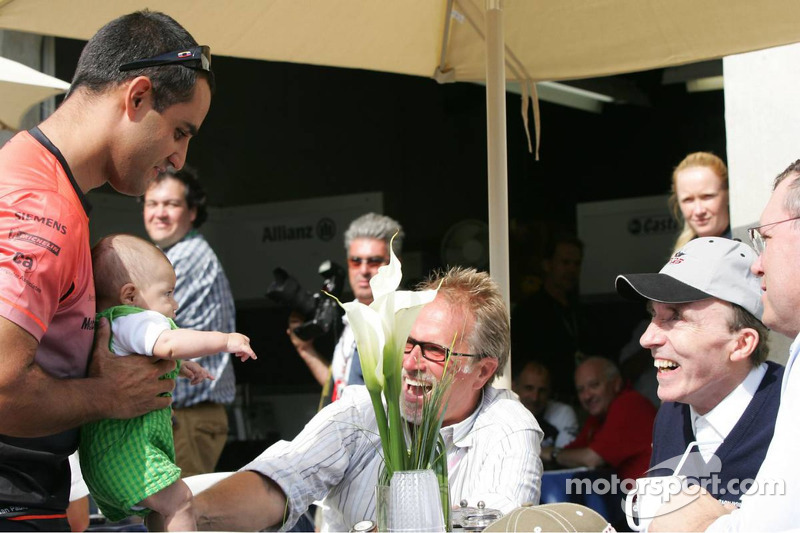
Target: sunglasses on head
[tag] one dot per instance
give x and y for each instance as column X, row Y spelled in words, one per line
column 196, row 57
column 375, row 261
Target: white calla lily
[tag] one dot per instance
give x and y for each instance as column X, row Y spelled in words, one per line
column 381, row 329
column 407, row 306
column 368, row 329
column 388, row 277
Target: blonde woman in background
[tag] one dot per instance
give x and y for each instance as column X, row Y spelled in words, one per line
column 700, row 197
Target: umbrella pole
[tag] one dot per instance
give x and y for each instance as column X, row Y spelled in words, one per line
column 496, row 150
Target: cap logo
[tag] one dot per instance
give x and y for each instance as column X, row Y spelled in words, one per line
column 676, row 259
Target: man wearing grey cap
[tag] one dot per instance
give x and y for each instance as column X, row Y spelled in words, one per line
column 709, row 346
column 777, row 241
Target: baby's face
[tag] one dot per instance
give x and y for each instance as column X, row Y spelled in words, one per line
column 158, row 295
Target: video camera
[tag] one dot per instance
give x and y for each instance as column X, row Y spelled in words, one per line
column 321, row 312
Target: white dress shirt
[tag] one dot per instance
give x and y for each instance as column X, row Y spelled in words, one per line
column 342, row 358
column 774, row 506
column 711, row 429
column 562, row 417
column 337, row 457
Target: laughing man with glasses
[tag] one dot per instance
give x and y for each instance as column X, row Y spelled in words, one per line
column 491, row 440
column 366, row 242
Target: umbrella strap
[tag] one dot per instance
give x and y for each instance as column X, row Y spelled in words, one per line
column 517, row 68
column 529, row 92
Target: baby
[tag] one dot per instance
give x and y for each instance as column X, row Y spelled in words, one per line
column 129, row 465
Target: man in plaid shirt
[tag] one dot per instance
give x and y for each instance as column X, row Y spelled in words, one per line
column 174, row 209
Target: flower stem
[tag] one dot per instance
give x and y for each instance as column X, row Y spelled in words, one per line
column 440, row 469
column 399, row 450
column 383, row 427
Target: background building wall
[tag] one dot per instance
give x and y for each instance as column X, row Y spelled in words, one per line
column 762, row 118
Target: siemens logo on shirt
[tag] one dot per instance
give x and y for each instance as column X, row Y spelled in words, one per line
column 49, row 222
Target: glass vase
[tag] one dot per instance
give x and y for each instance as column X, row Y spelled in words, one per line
column 410, row 503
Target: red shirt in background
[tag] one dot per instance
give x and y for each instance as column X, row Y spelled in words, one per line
column 624, row 437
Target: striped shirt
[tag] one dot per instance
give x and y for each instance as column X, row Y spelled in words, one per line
column 336, row 457
column 206, row 303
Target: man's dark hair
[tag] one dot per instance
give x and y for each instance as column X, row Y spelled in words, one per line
column 195, row 194
column 561, row 238
column 139, row 35
column 535, row 366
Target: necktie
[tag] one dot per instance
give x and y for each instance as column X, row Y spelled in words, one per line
column 356, row 376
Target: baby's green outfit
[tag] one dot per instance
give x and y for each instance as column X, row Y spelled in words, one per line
column 125, row 461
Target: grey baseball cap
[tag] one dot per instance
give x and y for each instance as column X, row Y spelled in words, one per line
column 552, row 517
column 707, row 267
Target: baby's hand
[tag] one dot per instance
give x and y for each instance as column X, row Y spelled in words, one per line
column 239, row 345
column 195, row 372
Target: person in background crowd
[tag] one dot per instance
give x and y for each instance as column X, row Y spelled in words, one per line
column 366, row 242
column 549, row 325
column 557, row 419
column 141, row 91
column 174, row 210
column 619, row 427
column 700, row 197
column 709, row 345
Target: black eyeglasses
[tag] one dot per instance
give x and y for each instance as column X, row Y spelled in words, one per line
column 196, row 57
column 433, row 352
column 375, row 261
column 757, row 238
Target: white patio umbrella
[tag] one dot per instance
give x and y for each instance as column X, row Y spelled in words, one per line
column 20, row 88
column 454, row 40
